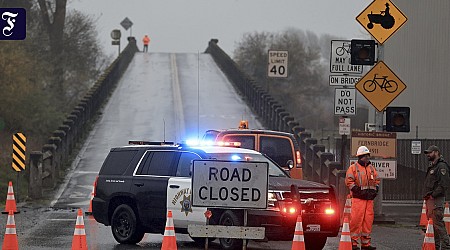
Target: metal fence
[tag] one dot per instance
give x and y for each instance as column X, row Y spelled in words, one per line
column 411, row 168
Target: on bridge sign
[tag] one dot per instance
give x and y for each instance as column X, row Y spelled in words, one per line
column 278, row 63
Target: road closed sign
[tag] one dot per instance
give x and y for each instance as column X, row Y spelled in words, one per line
column 229, row 184
column 345, row 102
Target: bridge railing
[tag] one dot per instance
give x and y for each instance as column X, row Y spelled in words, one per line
column 46, row 165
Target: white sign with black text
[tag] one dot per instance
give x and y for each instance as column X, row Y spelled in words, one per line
column 386, row 169
column 416, row 147
column 345, row 102
column 344, row 126
column 343, row 80
column 230, row 184
column 340, row 58
column 278, row 63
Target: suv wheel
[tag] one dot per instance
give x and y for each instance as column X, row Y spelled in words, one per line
column 229, row 218
column 125, row 227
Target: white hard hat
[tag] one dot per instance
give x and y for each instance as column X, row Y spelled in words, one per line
column 363, row 150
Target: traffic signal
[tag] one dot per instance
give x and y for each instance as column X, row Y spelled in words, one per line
column 362, row 52
column 397, row 119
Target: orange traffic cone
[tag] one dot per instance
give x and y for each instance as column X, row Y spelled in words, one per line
column 348, row 207
column 169, row 240
column 10, row 240
column 10, row 201
column 346, row 241
column 428, row 241
column 423, row 216
column 298, row 243
column 89, row 212
column 447, row 218
column 79, row 235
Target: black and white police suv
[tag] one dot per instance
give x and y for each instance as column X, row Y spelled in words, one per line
column 139, row 183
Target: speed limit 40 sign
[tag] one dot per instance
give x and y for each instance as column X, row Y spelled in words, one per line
column 278, row 63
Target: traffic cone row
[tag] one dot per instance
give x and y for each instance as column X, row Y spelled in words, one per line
column 346, row 241
column 10, row 200
column 428, row 241
column 423, row 216
column 447, row 217
column 10, row 240
column 298, row 243
column 348, row 206
column 169, row 240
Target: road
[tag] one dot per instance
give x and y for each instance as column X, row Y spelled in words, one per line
column 169, row 97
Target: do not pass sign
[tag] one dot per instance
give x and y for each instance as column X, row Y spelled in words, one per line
column 345, row 102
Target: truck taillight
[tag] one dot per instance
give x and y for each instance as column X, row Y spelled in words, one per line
column 329, row 211
column 288, row 208
column 299, row 158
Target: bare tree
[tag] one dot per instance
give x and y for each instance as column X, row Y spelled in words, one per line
column 53, row 14
column 305, row 92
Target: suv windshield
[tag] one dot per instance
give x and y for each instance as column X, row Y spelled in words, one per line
column 274, row 170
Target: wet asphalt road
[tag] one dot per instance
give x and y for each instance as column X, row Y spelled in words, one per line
column 44, row 228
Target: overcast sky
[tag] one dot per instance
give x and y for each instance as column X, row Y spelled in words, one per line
column 188, row 25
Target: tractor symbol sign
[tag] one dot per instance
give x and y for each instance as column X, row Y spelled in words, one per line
column 385, row 19
column 381, row 19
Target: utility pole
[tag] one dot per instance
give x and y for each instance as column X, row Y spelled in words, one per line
column 378, row 204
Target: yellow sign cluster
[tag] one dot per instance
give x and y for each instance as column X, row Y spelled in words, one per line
column 380, row 86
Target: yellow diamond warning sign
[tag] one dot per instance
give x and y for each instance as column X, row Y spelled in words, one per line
column 381, row 19
column 380, row 86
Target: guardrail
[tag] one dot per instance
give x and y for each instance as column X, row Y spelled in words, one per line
column 318, row 165
column 46, row 165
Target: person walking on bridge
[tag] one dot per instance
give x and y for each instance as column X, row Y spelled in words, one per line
column 436, row 182
column 146, row 41
column 362, row 180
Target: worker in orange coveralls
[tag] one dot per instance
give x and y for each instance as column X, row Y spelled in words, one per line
column 362, row 180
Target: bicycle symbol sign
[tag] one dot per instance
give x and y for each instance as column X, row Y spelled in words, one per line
column 380, row 86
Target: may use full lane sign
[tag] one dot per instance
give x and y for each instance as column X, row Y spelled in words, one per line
column 230, row 184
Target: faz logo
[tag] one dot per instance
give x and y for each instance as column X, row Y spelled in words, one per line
column 13, row 24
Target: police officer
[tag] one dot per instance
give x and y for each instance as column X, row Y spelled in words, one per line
column 362, row 180
column 436, row 182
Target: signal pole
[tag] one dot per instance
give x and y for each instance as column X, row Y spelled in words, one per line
column 378, row 204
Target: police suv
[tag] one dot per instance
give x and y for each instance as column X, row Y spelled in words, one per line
column 139, row 183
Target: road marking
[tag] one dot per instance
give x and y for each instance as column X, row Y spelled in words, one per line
column 86, row 172
column 177, row 98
